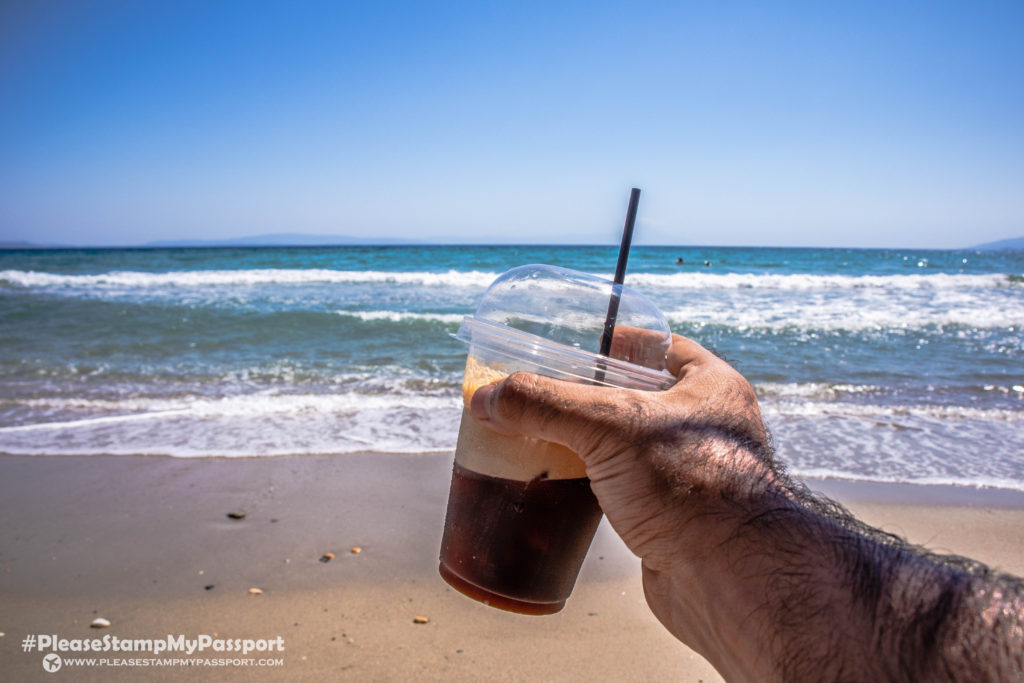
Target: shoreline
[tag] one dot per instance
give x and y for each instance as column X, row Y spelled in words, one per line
column 919, row 494
column 138, row 539
column 838, row 488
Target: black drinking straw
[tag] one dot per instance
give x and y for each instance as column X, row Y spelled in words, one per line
column 620, row 276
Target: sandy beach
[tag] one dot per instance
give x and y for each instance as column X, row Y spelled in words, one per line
column 146, row 542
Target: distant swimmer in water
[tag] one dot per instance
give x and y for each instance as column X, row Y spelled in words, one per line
column 707, row 263
column 679, row 261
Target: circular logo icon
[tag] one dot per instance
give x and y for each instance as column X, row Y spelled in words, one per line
column 52, row 663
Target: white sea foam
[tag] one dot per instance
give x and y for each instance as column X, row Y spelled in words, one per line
column 743, row 301
column 135, row 409
column 815, row 436
column 794, row 399
column 476, row 278
column 266, row 276
column 821, row 390
column 974, row 481
column 852, row 313
column 922, row 445
column 272, row 424
column 790, row 408
column 252, row 425
column 812, row 282
column 398, row 316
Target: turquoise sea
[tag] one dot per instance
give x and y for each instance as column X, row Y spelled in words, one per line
column 883, row 365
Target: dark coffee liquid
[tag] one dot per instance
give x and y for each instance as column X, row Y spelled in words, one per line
column 517, row 545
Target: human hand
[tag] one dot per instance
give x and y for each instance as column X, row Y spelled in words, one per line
column 675, row 472
column 653, row 458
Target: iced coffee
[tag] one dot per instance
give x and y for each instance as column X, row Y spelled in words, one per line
column 521, row 514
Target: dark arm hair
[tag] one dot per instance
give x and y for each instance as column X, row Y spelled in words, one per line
column 882, row 609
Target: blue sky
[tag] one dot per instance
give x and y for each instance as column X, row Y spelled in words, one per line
column 819, row 124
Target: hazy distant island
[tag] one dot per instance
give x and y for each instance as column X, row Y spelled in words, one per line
column 1010, row 244
column 285, row 239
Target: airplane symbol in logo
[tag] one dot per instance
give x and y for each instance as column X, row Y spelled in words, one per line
column 52, row 663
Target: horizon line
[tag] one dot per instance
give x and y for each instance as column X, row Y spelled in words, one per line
column 243, row 243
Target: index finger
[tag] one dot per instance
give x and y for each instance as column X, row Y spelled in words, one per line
column 640, row 346
column 684, row 353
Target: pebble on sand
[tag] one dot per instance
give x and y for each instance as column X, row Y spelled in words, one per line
column 356, row 550
column 256, row 591
column 100, row 622
column 236, row 515
column 420, row 620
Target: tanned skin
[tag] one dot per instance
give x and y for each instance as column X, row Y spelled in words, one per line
column 746, row 566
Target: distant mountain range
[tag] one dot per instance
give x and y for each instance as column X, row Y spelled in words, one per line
column 284, row 239
column 1015, row 243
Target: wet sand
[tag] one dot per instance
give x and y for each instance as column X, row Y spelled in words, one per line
column 146, row 543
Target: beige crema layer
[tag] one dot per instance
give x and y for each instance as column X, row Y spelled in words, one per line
column 509, row 457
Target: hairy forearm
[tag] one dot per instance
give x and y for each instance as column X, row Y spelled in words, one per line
column 952, row 619
column 793, row 588
column 846, row 604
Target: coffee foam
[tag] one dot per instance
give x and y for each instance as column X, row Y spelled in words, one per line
column 477, row 375
column 513, row 457
column 508, row 457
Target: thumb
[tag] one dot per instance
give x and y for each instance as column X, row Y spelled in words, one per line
column 571, row 414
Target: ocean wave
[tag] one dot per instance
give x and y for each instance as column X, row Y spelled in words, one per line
column 481, row 279
column 135, row 409
column 814, row 282
column 772, row 407
column 403, row 316
column 820, row 390
column 849, row 316
column 975, row 481
column 275, row 423
column 243, row 426
column 220, row 278
column 781, row 391
column 911, row 444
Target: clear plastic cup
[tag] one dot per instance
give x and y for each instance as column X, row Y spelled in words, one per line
column 521, row 514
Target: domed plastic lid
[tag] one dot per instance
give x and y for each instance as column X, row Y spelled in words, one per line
column 555, row 317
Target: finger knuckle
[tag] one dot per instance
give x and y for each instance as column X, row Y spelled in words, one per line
column 514, row 394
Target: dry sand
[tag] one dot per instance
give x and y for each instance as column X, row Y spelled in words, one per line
column 146, row 543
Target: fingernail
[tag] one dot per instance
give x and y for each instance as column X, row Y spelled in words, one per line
column 479, row 403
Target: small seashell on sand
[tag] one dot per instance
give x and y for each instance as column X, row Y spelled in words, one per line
column 256, row 591
column 327, row 557
column 236, row 515
column 420, row 620
column 356, row 550
column 100, row 622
